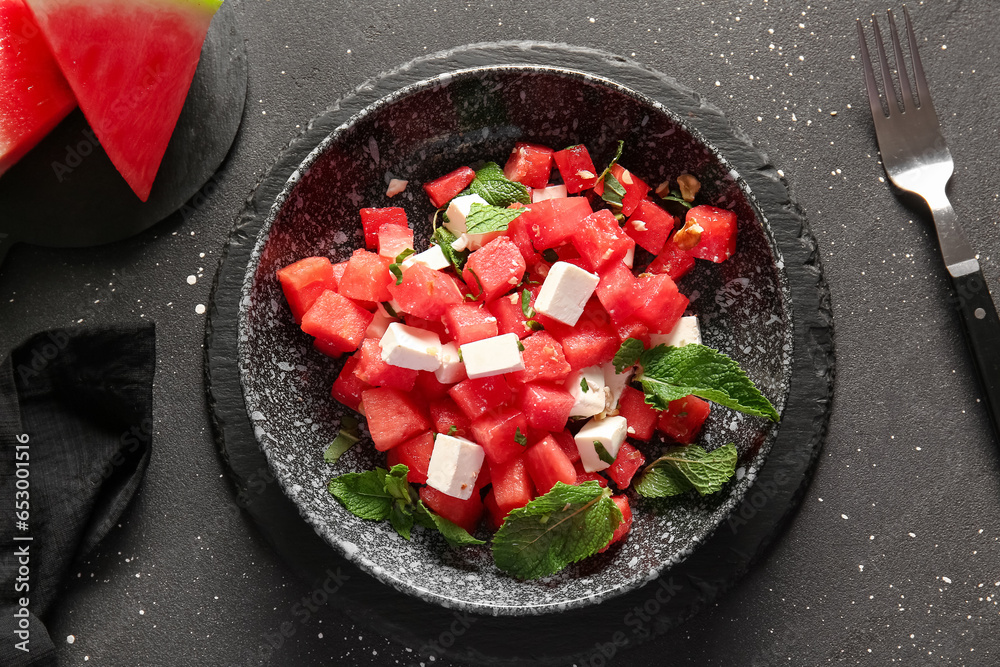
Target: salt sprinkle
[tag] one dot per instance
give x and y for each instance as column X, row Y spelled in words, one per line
column 192, row 280
column 70, row 639
column 200, row 309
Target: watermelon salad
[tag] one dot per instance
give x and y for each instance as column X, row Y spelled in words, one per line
column 516, row 371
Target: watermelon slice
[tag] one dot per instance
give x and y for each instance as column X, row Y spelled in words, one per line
column 35, row 95
column 130, row 64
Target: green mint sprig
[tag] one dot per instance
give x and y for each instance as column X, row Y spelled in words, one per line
column 491, row 184
column 484, row 218
column 443, row 238
column 348, row 435
column 682, row 469
column 396, row 268
column 628, row 354
column 675, row 196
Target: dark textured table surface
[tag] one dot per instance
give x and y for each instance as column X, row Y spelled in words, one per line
column 892, row 556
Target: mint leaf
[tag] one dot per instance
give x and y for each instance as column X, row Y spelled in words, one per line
column 520, row 438
column 688, row 467
column 479, row 283
column 675, row 196
column 628, row 354
column 671, row 373
column 389, row 310
column 497, row 189
column 345, row 439
column 397, row 486
column 452, row 429
column 534, row 325
column 396, row 268
column 613, row 193
column 583, row 385
column 401, row 519
column 567, row 524
column 614, row 161
column 443, row 238
column 526, row 308
column 603, row 453
column 484, row 218
column 363, row 493
column 454, row 535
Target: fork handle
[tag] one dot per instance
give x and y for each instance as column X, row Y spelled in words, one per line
column 982, row 331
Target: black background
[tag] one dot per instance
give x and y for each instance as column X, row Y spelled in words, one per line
column 893, row 554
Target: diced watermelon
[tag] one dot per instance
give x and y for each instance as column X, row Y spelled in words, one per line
column 600, row 241
column 510, row 316
column 425, row 292
column 661, row 304
column 445, row 413
column 568, row 444
column 130, row 65
column 366, row 277
column 641, row 416
column 393, row 417
column 593, row 341
column 624, row 526
column 546, row 407
column 552, row 222
column 633, row 328
column 618, row 292
column 35, row 94
column 464, row 513
column 394, row 239
column 684, row 418
column 303, row 282
column 469, row 322
column 328, row 348
column 718, row 235
column 576, row 168
column 517, row 232
column 494, row 519
column 443, row 189
column 512, row 487
column 338, row 270
column 543, row 359
column 635, row 188
column 628, row 461
column 584, row 476
column 650, row 226
column 547, row 464
column 496, row 268
column 371, row 369
column 415, row 454
column 372, row 220
column 497, row 430
column 347, row 387
column 529, row 164
column 338, row 320
column 437, row 326
column 429, row 387
column 672, row 261
column 475, row 397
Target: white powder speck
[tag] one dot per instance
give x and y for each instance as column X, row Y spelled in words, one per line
column 913, row 535
column 70, row 639
column 843, row 516
column 946, row 580
column 142, row 612
column 591, row 19
column 861, row 568
column 200, row 309
column 320, row 635
column 192, row 280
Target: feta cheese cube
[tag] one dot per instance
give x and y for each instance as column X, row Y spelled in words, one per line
column 452, row 369
column 591, row 401
column 455, row 465
column 410, row 347
column 492, row 356
column 565, row 292
column 610, row 432
column 380, row 323
column 685, row 332
column 614, row 383
column 432, row 258
column 458, row 211
column 551, row 192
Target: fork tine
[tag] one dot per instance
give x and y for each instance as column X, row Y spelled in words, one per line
column 904, row 77
column 873, row 98
column 889, row 90
column 918, row 69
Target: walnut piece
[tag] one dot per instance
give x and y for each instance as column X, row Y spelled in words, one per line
column 689, row 186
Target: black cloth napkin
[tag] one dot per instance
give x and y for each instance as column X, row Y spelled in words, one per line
column 76, row 409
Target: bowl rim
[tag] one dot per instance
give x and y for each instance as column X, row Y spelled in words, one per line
column 739, row 490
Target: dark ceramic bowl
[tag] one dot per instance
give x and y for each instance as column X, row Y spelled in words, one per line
column 428, row 129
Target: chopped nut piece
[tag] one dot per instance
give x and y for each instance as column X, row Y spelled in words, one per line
column 663, row 189
column 584, row 173
column 688, row 236
column 627, row 177
column 689, row 186
column 395, row 187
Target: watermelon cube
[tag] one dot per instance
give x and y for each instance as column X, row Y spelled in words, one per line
column 464, row 513
column 633, row 328
column 494, row 519
column 445, row 413
column 718, row 232
column 547, row 464
column 415, row 454
column 576, row 168
column 618, row 292
column 429, row 387
column 622, row 530
column 546, row 407
column 543, row 360
column 444, row 188
column 650, row 226
column 635, row 188
column 684, row 418
column 425, row 292
column 584, row 476
column 509, row 314
column 512, row 486
column 565, row 440
column 628, row 461
column 475, row 397
column 494, row 269
column 435, row 326
column 661, row 305
column 394, row 239
column 338, row 270
column 517, row 232
column 337, row 320
column 303, row 282
column 640, row 415
column 347, row 387
column 469, row 322
column 673, row 261
column 366, row 278
column 600, row 241
column 553, row 222
column 328, row 348
column 372, row 220
column 529, row 164
column 593, row 341
column 496, row 431
column 372, row 370
column 393, row 417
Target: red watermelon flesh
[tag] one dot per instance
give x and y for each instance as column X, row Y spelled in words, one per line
column 35, row 95
column 130, row 64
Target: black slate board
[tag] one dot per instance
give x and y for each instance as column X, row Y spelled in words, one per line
column 586, row 636
column 66, row 193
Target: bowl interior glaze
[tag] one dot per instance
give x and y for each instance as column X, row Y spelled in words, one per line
column 423, row 131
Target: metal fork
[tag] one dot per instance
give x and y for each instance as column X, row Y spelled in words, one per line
column 917, row 160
